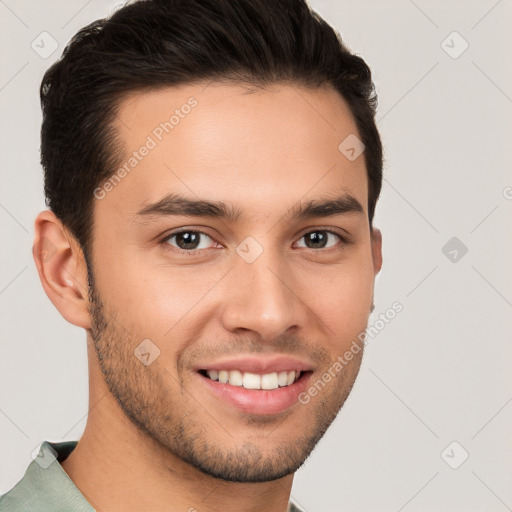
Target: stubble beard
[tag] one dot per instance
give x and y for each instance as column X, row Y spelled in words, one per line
column 145, row 400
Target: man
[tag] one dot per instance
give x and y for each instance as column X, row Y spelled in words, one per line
column 212, row 169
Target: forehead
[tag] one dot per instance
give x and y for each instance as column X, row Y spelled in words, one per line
column 259, row 149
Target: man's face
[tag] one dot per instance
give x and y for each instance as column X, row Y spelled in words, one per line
column 251, row 291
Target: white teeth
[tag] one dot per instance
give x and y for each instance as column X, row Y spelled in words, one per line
column 253, row 380
column 269, row 381
column 235, row 378
column 282, row 378
column 213, row 374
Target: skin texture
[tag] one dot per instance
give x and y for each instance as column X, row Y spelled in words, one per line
column 157, row 430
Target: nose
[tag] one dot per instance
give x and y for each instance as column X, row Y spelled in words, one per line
column 260, row 298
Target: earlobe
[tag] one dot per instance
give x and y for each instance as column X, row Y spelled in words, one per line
column 62, row 270
column 376, row 241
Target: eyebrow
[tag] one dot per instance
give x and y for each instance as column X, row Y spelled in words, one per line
column 177, row 204
column 326, row 208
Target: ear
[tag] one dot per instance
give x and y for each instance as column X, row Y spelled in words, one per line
column 62, row 269
column 376, row 241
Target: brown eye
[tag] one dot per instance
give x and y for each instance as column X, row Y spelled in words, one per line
column 189, row 240
column 320, row 239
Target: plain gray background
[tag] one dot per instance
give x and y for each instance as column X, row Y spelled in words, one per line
column 439, row 372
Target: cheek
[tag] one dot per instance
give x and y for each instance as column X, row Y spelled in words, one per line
column 160, row 299
column 343, row 298
column 154, row 299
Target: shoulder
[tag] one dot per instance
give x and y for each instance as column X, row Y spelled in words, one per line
column 45, row 485
column 294, row 508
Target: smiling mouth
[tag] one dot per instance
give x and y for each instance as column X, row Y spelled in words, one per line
column 248, row 380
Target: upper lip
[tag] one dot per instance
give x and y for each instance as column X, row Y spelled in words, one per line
column 259, row 365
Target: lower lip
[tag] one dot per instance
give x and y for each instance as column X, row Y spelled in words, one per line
column 258, row 401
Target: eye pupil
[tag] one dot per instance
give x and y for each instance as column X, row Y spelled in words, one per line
column 187, row 240
column 316, row 239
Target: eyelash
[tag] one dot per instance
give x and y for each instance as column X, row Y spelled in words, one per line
column 193, row 252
